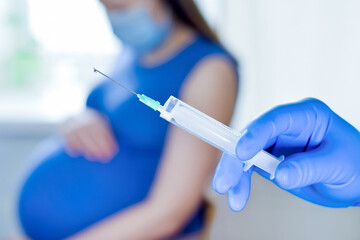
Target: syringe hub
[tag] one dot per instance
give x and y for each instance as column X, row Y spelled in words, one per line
column 149, row 101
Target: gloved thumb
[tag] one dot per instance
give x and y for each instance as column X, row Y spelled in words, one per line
column 307, row 168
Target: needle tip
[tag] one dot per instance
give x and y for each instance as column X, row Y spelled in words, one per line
column 97, row 71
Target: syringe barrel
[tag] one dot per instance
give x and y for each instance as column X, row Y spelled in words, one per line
column 200, row 125
column 212, row 132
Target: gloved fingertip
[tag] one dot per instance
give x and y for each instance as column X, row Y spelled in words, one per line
column 243, row 149
column 220, row 185
column 235, row 205
column 286, row 176
column 247, row 147
column 223, row 179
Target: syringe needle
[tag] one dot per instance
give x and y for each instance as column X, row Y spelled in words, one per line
column 144, row 99
column 97, row 71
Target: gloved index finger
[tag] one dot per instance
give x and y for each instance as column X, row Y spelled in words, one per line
column 227, row 174
column 291, row 119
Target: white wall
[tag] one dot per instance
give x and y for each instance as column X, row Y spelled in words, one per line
column 295, row 49
column 290, row 50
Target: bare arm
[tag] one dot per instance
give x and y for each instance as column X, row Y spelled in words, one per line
column 186, row 164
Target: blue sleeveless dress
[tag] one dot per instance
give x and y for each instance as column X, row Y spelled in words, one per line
column 63, row 195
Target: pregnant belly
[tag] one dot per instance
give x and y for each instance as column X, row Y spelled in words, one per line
column 64, row 195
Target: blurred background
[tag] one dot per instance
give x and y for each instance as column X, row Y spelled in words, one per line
column 288, row 50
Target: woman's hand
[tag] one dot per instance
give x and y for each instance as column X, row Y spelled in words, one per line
column 89, row 134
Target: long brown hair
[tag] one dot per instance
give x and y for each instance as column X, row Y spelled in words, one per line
column 188, row 12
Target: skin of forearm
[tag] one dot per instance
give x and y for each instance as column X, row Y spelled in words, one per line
column 147, row 220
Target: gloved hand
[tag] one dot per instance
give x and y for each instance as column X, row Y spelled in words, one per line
column 322, row 156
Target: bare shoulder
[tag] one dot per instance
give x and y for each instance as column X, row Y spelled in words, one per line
column 212, row 87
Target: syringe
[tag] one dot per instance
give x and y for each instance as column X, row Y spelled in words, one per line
column 206, row 128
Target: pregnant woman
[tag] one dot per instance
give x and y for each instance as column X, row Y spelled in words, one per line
column 118, row 171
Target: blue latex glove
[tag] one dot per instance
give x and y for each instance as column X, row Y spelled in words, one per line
column 322, row 156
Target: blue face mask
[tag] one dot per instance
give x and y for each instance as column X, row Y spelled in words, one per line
column 137, row 28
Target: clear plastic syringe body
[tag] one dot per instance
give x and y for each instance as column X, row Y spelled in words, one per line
column 213, row 132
